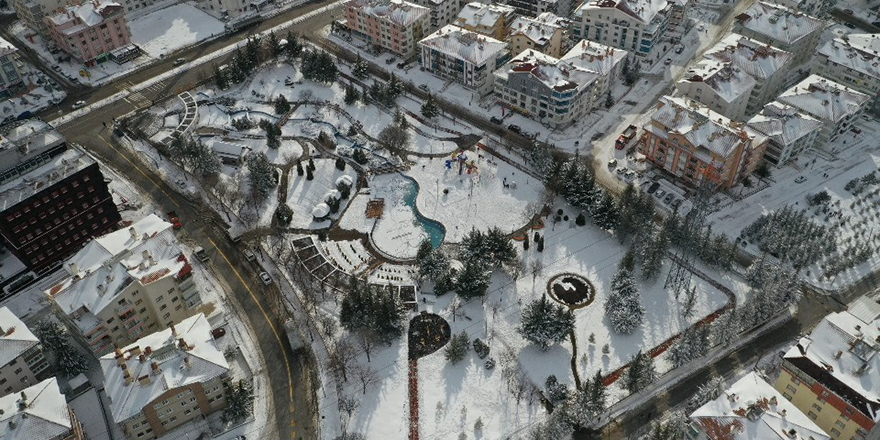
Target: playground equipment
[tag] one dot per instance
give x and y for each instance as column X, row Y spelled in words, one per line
column 463, row 163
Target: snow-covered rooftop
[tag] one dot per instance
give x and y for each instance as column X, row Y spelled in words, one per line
column 784, row 124
column 751, row 409
column 22, row 187
column 181, row 355
column 6, row 47
column 842, row 354
column 859, row 52
column 824, row 99
column 778, row 22
column 145, row 252
column 593, row 56
column 701, row 126
column 728, row 81
column 38, row 412
column 539, row 32
column 476, row 14
column 398, row 12
column 757, row 59
column 25, row 140
column 90, row 13
column 15, row 338
column 643, row 10
column 463, row 44
column 552, row 72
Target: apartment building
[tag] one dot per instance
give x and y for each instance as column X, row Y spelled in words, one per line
column 750, row 409
column 790, row 131
column 39, row 411
column 52, row 198
column 166, row 379
column 21, row 355
column 545, row 33
column 722, row 87
column 126, row 284
column 635, row 26
column 443, row 12
column 489, row 19
column 533, row 8
column 89, row 32
column 852, row 60
column 678, row 15
column 778, row 26
column 831, row 374
column 10, row 73
column 838, row 107
column 32, row 12
column 463, row 56
column 700, row 146
column 770, row 67
column 553, row 92
column 605, row 61
column 396, row 26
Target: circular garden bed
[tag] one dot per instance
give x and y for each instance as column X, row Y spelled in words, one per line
column 572, row 290
column 427, row 333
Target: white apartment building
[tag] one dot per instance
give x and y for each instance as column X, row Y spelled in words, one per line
column 751, row 409
column 166, row 379
column 463, row 56
column 10, row 73
column 778, row 26
column 125, row 284
column 544, row 88
column 38, row 412
column 722, row 87
column 489, row 19
column 21, row 355
column 604, row 61
column 443, row 12
column 852, row 60
column 832, row 103
column 790, row 131
column 396, row 26
column 635, row 26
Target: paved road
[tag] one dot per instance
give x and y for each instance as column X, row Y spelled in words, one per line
column 291, row 374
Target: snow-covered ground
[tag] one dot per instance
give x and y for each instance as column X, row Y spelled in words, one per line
column 162, row 32
column 304, row 194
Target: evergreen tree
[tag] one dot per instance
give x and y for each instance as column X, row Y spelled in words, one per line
column 359, row 70
column 624, row 307
column 760, row 272
column 458, row 347
column 70, row 361
column 340, row 164
column 299, row 168
column 640, row 373
column 390, row 317
column 605, row 213
column 581, row 219
column 690, row 300
column 394, row 138
column 294, row 47
column 205, row 161
column 545, row 323
column 472, row 281
column 282, row 105
column 609, row 100
column 400, row 119
column 51, row 335
column 540, row 246
column 273, row 137
column 692, row 344
column 261, row 173
column 597, row 393
column 239, row 401
column 654, row 253
column 252, row 53
column 351, row 95
column 556, row 392
column 309, row 174
column 708, row 392
column 429, row 108
column 319, row 66
column 394, row 87
column 725, row 328
column 433, row 263
column 378, row 314
column 220, row 78
column 272, row 45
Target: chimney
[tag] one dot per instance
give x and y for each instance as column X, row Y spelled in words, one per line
column 145, row 254
column 173, row 330
column 74, row 269
column 152, row 260
column 773, row 401
column 154, row 368
column 127, row 376
column 782, row 412
column 123, row 366
column 144, row 380
column 11, row 424
column 101, row 290
column 134, row 235
column 108, row 279
column 8, row 331
column 181, row 343
column 142, row 358
column 186, row 362
column 136, row 350
column 148, row 351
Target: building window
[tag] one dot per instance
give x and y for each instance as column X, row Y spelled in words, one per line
column 835, row 433
column 811, row 415
column 817, row 408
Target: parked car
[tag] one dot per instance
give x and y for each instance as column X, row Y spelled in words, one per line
column 249, row 255
column 401, row 64
column 659, row 194
column 78, row 104
column 848, row 11
column 653, row 188
column 514, row 128
column 849, row 25
column 424, row 87
column 179, row 61
column 856, row 130
column 668, row 61
column 265, row 278
column 644, row 184
column 629, row 175
column 679, row 49
column 495, row 120
column 800, row 179
column 218, row 332
column 612, row 163
column 620, row 170
column 174, row 220
column 668, row 198
column 200, row 253
column 675, row 203
column 390, row 60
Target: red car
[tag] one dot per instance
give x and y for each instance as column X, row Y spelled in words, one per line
column 856, row 130
column 174, row 220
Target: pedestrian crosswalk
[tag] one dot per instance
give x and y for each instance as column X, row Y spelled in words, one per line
column 147, row 95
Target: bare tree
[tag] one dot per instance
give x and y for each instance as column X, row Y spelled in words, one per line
column 341, row 357
column 348, row 404
column 367, row 342
column 366, row 375
column 329, row 327
column 537, row 268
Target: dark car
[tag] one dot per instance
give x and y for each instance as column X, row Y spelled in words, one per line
column 495, row 120
column 401, row 64
column 653, row 188
column 848, row 11
column 514, row 128
column 218, row 332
